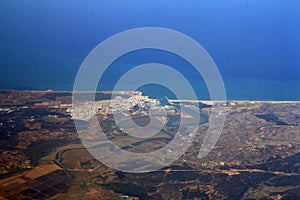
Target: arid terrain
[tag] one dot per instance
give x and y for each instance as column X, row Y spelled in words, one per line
column 42, row 157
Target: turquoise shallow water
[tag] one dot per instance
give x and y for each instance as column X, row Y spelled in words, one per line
column 244, row 89
column 59, row 74
column 260, row 89
column 236, row 89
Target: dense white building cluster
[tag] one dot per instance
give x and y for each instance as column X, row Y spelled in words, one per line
column 85, row 110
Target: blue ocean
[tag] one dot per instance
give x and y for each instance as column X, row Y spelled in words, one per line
column 255, row 45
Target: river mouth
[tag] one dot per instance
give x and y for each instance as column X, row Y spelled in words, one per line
column 167, row 133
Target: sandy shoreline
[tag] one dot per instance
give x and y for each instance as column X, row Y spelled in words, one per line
column 208, row 102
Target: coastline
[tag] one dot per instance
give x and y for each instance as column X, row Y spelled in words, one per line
column 205, row 101
column 209, row 102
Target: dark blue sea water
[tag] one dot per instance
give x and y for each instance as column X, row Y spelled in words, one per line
column 255, row 44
